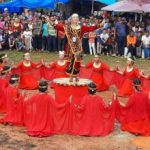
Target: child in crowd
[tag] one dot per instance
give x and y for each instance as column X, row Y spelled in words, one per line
column 92, row 47
column 19, row 43
column 27, row 34
column 11, row 42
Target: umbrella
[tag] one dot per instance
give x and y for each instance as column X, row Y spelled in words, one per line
column 129, row 6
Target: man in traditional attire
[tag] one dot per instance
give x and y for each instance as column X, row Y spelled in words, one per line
column 74, row 33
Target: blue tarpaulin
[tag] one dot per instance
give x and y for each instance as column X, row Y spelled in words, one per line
column 31, row 3
column 37, row 3
column 15, row 5
column 107, row 2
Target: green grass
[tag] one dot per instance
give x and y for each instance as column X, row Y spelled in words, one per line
column 15, row 57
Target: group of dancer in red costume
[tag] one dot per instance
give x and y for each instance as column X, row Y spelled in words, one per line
column 43, row 115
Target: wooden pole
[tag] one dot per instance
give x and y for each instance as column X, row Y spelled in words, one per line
column 92, row 11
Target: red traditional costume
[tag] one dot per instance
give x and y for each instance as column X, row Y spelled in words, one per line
column 134, row 117
column 3, row 86
column 126, row 88
column 97, row 75
column 39, row 115
column 146, row 84
column 72, row 34
column 93, row 117
column 61, row 117
column 1, row 67
column 59, row 69
column 74, row 45
column 27, row 80
column 14, row 105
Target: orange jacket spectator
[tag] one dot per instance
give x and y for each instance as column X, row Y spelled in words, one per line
column 131, row 40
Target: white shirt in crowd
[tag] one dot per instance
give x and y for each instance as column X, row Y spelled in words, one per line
column 1, row 38
column 134, row 29
column 146, row 40
column 104, row 37
column 27, row 34
column 30, row 26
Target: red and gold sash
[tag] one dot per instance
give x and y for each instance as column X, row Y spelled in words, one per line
column 74, row 39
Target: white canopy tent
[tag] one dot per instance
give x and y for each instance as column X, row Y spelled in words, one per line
column 138, row 6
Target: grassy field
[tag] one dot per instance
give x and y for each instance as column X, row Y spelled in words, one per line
column 15, row 57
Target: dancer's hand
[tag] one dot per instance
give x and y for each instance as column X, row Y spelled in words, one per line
column 13, row 65
column 42, row 61
column 149, row 95
column 24, row 94
column 114, row 96
column 46, row 64
column 70, row 99
column 117, row 68
column 83, row 65
column 141, row 73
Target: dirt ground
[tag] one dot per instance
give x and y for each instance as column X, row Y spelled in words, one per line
column 15, row 138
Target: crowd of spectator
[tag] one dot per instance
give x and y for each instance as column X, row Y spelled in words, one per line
column 115, row 36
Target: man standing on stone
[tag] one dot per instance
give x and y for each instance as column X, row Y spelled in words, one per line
column 74, row 33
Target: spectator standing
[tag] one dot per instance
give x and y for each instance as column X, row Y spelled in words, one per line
column 44, row 35
column 61, row 38
column 16, row 27
column 6, row 39
column 1, row 39
column 104, row 38
column 37, row 26
column 85, row 44
column 146, row 44
column 139, row 44
column 121, row 36
column 51, row 35
column 99, row 42
column 19, row 43
column 92, row 47
column 131, row 44
column 11, row 42
column 30, row 25
column 27, row 34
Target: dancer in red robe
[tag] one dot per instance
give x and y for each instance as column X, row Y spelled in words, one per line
column 96, row 76
column 93, row 117
column 14, row 103
column 130, row 73
column 27, row 80
column 4, row 80
column 145, row 82
column 38, row 113
column 74, row 33
column 134, row 117
column 59, row 67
